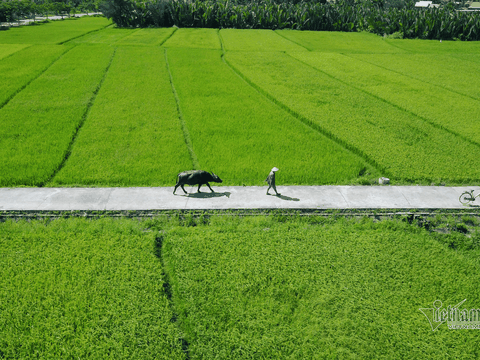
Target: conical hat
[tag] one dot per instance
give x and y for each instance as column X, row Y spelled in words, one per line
column 275, row 169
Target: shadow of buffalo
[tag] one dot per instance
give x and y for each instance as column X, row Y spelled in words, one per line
column 206, row 195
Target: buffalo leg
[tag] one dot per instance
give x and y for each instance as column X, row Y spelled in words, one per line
column 210, row 187
column 185, row 191
column 198, row 190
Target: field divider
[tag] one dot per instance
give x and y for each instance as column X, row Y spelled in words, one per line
column 412, row 77
column 82, row 121
column 221, row 42
column 168, row 37
column 167, row 287
column 296, row 43
column 435, row 125
column 33, row 79
column 16, row 52
column 186, row 134
column 306, row 121
column 79, row 36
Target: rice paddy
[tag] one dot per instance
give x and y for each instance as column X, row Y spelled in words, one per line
column 229, row 287
column 327, row 108
column 39, row 122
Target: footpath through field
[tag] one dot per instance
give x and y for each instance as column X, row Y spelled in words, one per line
column 234, row 197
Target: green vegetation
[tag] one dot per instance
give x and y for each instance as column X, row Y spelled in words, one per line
column 219, row 108
column 260, row 288
column 147, row 37
column 325, row 107
column 449, row 110
column 232, row 287
column 109, row 35
column 16, row 10
column 55, row 32
column 403, row 145
column 39, row 124
column 436, row 47
column 194, row 38
column 256, row 40
column 79, row 289
column 381, row 17
column 440, row 70
column 6, row 50
column 340, row 42
column 133, row 135
column 23, row 66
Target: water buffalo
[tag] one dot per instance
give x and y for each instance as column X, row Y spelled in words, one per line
column 196, row 177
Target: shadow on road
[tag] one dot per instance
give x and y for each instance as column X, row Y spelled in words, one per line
column 205, row 195
column 288, row 198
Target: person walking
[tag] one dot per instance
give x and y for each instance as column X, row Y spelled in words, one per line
column 271, row 181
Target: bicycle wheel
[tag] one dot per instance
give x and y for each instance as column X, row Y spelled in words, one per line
column 466, row 198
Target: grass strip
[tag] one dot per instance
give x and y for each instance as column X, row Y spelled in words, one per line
column 109, row 35
column 440, row 70
column 132, row 136
column 20, row 68
column 339, row 42
column 9, row 49
column 54, row 32
column 79, row 127
column 257, row 288
column 405, row 146
column 83, row 289
column 39, row 123
column 452, row 111
column 186, row 133
column 147, row 37
column 420, row 46
column 256, row 40
column 194, row 38
column 240, row 135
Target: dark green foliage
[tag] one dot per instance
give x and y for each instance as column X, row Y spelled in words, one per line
column 14, row 10
column 380, row 18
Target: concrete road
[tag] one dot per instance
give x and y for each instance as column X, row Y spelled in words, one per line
column 235, row 197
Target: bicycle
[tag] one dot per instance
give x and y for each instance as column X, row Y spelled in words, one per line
column 467, row 197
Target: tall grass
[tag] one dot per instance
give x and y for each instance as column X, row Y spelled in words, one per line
column 240, row 135
column 83, row 289
column 40, row 122
column 132, row 135
column 402, row 144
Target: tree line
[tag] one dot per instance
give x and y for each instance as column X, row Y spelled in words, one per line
column 397, row 18
column 14, row 10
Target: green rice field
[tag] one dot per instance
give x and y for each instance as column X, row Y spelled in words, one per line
column 231, row 287
column 83, row 103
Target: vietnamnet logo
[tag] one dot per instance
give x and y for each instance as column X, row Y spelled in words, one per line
column 455, row 318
